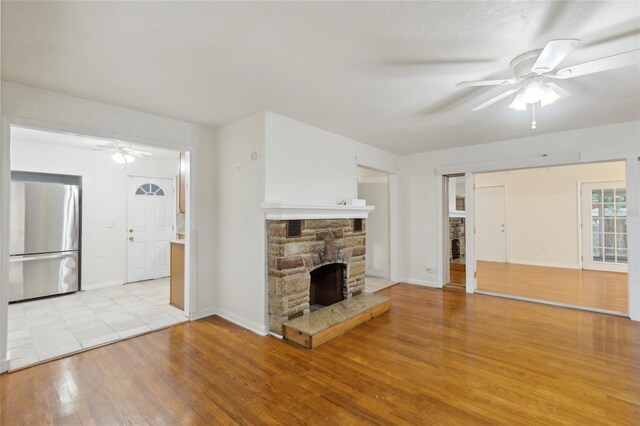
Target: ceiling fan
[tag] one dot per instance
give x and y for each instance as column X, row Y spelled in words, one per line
column 122, row 153
column 535, row 75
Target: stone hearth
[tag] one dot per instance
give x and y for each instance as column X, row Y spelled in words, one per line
column 311, row 243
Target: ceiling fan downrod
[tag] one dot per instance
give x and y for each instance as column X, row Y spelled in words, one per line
column 533, row 123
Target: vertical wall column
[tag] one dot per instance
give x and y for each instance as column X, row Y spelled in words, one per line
column 5, row 179
column 633, row 232
column 470, row 232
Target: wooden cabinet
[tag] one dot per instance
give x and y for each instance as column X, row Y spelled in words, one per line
column 176, row 297
column 182, row 183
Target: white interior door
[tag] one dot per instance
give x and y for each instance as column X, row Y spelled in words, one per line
column 149, row 227
column 490, row 224
column 604, row 226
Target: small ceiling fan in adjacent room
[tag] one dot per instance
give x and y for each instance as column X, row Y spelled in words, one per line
column 123, row 153
column 537, row 81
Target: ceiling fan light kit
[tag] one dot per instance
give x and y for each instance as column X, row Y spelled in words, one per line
column 534, row 91
column 123, row 154
column 535, row 68
column 123, row 158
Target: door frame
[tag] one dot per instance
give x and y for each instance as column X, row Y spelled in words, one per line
column 633, row 205
column 9, row 121
column 394, row 214
column 506, row 216
column 174, row 209
column 442, row 218
column 446, row 271
column 388, row 208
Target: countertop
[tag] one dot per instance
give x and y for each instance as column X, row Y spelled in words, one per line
column 177, row 241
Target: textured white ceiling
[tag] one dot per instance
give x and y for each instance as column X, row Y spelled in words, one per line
column 380, row 73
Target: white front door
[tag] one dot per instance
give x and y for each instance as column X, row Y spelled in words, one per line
column 490, row 224
column 149, row 227
column 604, row 226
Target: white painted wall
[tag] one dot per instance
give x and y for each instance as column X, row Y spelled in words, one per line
column 374, row 187
column 54, row 111
column 419, row 181
column 104, row 249
column 240, row 226
column 307, row 165
column 542, row 207
column 456, row 189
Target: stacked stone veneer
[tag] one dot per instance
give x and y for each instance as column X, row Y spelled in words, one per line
column 291, row 259
column 456, row 230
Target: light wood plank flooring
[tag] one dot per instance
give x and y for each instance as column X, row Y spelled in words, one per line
column 437, row 357
column 457, row 273
column 593, row 289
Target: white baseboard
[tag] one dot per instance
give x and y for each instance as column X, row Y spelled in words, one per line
column 545, row 264
column 102, row 285
column 5, row 364
column 260, row 329
column 425, row 283
column 203, row 313
column 377, row 273
column 229, row 316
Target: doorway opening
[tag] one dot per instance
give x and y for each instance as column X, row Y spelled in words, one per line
column 555, row 235
column 456, row 236
column 127, row 278
column 373, row 186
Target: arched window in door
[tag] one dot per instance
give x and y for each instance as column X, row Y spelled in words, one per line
column 150, row 189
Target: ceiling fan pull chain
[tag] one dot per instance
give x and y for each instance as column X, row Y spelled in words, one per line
column 533, row 123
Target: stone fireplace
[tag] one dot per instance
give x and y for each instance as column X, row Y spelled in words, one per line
column 312, row 263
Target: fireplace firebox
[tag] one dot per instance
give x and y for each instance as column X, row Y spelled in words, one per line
column 327, row 286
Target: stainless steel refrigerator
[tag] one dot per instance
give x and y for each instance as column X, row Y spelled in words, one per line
column 45, row 235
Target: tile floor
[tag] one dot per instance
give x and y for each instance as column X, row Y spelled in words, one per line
column 373, row 284
column 48, row 328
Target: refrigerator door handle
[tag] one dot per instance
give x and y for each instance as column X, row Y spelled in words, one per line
column 28, row 257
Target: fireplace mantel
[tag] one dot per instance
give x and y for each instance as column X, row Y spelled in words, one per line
column 281, row 211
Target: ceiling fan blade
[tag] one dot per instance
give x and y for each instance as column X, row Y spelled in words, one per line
column 603, row 64
column 104, row 148
column 440, row 62
column 552, row 54
column 137, row 152
column 495, row 99
column 559, row 90
column 486, row 82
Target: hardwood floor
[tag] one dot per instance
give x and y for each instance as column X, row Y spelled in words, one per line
column 457, row 273
column 437, row 356
column 594, row 289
